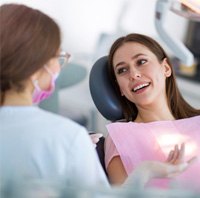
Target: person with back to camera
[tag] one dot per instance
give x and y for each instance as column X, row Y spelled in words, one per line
column 156, row 115
column 36, row 144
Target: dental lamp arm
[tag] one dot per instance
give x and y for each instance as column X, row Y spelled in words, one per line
column 177, row 47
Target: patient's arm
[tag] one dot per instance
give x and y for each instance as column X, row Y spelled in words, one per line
column 116, row 172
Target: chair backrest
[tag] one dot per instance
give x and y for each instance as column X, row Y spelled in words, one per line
column 104, row 97
column 102, row 91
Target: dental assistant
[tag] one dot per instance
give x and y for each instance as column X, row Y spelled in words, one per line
column 36, row 144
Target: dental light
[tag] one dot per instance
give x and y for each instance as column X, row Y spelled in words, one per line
column 189, row 9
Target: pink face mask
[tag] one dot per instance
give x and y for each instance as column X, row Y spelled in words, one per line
column 38, row 93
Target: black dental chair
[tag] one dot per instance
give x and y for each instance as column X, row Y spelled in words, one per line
column 102, row 91
column 104, row 98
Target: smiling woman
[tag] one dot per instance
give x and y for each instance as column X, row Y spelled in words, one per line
column 154, row 111
column 137, row 73
column 136, row 60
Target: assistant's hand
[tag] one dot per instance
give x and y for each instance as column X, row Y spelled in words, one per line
column 95, row 138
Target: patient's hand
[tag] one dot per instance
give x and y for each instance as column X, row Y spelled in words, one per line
column 176, row 160
column 176, row 156
column 147, row 170
column 174, row 165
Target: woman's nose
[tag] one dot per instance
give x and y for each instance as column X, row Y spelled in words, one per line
column 134, row 74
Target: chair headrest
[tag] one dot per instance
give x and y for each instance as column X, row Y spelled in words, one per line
column 102, row 91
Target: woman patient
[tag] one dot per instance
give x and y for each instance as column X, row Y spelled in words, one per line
column 156, row 115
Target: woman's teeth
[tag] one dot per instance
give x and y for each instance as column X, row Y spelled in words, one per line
column 140, row 87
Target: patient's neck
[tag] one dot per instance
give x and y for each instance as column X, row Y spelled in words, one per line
column 147, row 114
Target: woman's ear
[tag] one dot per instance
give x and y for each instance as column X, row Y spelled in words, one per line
column 167, row 68
column 36, row 75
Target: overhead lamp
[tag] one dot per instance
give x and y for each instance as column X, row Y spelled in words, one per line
column 189, row 9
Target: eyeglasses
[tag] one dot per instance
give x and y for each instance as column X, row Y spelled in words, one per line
column 63, row 58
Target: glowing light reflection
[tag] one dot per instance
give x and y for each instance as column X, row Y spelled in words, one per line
column 168, row 141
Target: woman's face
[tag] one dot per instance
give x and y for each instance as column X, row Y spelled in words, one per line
column 44, row 78
column 140, row 76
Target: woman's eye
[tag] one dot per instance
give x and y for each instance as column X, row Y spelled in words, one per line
column 121, row 70
column 141, row 61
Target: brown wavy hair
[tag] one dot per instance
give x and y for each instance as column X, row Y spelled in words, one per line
column 178, row 106
column 28, row 39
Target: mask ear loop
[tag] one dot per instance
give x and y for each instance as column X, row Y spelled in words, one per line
column 35, row 82
column 54, row 76
column 49, row 71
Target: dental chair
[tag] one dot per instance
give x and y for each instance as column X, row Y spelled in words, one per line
column 102, row 91
column 104, row 98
